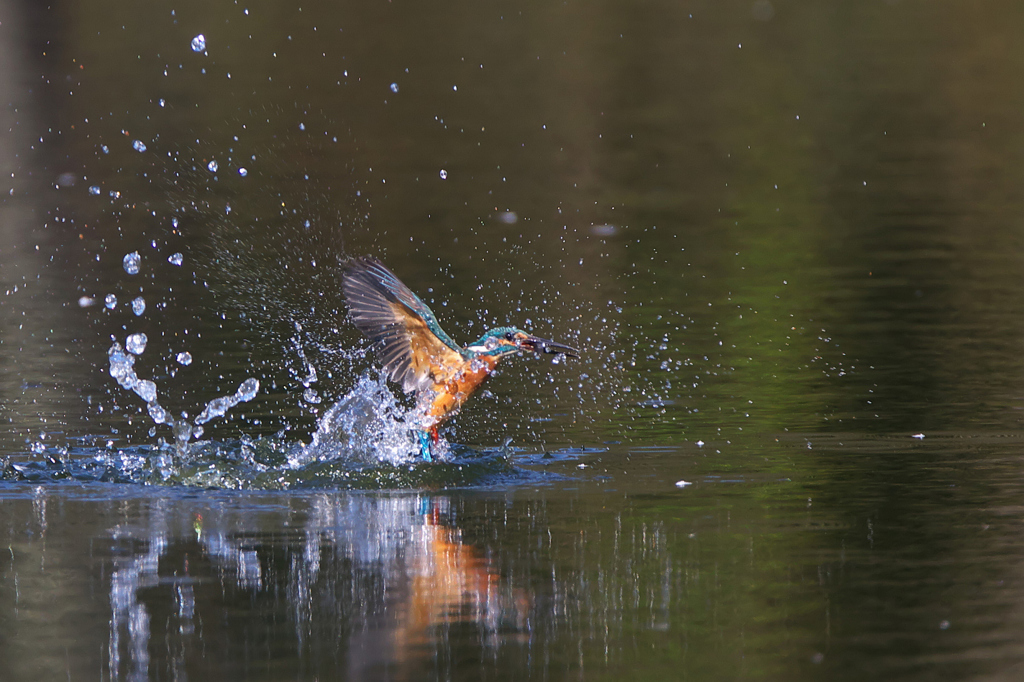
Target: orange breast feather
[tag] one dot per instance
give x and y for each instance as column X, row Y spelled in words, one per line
column 456, row 385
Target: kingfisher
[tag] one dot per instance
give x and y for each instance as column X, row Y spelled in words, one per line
column 418, row 354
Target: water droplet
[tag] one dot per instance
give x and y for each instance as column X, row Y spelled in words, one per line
column 86, row 301
column 136, row 344
column 110, row 301
column 394, row 87
column 175, row 259
column 139, row 146
column 243, row 172
column 248, row 390
column 184, row 358
column 212, row 166
column 199, row 43
column 105, row 148
column 302, row 126
column 121, row 366
column 174, row 223
column 95, row 189
column 139, row 305
column 162, row 102
column 146, row 390
column 157, row 413
column 131, row 263
column 444, row 174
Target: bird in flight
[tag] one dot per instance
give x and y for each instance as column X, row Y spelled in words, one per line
column 418, row 355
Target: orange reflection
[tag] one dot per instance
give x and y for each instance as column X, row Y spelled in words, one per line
column 452, row 583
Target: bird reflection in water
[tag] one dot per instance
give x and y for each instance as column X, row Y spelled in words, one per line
column 362, row 584
column 452, row 583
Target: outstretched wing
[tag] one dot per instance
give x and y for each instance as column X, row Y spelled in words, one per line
column 415, row 350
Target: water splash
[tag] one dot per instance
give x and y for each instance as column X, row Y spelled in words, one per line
column 368, row 430
column 122, row 369
column 218, row 407
column 363, row 441
column 367, row 425
column 311, row 375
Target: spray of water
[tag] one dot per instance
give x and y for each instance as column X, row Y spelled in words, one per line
column 368, row 427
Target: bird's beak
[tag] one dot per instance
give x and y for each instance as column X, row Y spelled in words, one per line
column 539, row 345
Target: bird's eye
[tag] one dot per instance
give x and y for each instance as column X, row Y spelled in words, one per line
column 509, row 336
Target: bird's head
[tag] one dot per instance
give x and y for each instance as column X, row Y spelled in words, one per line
column 502, row 341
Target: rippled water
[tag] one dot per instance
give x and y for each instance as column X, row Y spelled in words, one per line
column 786, row 239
